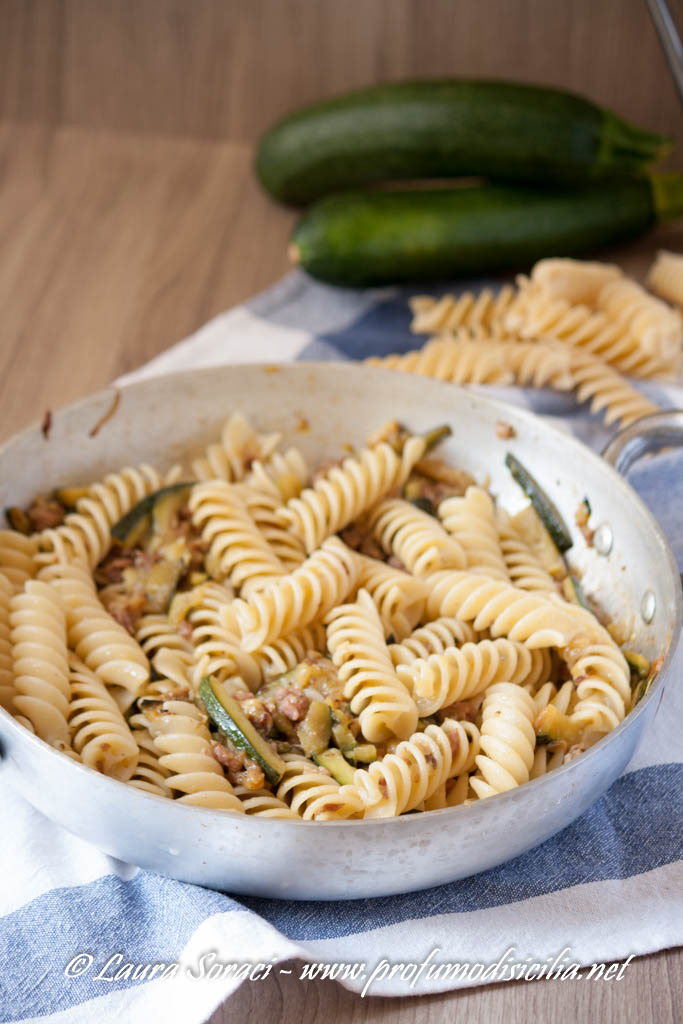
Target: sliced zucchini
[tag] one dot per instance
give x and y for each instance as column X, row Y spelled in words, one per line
column 548, row 513
column 165, row 508
column 337, row 766
column 434, row 437
column 424, row 505
column 362, row 753
column 161, row 582
column 343, row 737
column 18, row 520
column 227, row 714
column 639, row 666
column 70, row 496
column 315, row 730
column 131, row 528
column 528, row 525
column 552, row 725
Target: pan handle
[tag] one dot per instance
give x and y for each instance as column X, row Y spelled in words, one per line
column 648, row 434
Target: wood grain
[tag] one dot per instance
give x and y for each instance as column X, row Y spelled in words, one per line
column 650, row 990
column 129, row 216
column 227, row 68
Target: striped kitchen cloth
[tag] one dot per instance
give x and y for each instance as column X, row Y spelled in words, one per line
column 85, row 937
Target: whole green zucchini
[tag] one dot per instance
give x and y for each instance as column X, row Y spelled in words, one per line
column 437, row 129
column 381, row 237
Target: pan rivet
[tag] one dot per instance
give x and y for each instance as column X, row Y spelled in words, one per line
column 603, row 539
column 648, row 606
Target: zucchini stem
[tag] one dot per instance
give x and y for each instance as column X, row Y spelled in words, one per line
column 628, row 148
column 667, row 196
column 435, row 436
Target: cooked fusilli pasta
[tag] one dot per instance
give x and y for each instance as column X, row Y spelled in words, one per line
column 85, row 535
column 181, row 736
column 239, row 446
column 399, row 597
column 97, row 638
column 345, row 492
column 471, row 520
column 417, row 539
column 99, row 732
column 236, row 653
column 237, row 548
column 321, row 582
column 434, row 638
column 39, row 655
column 6, row 673
column 17, row 558
column 507, row 740
column 461, row 673
column 355, row 639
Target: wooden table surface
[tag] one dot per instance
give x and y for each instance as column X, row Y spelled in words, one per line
column 129, row 216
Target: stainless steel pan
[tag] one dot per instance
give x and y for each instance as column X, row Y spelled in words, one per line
column 635, row 578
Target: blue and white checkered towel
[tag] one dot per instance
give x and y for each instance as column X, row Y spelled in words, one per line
column 77, row 927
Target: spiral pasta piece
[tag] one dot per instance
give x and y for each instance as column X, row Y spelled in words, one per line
column 100, row 733
column 98, row 639
column 656, row 327
column 416, row 538
column 355, row 639
column 522, row 565
column 345, row 492
column 507, row 740
column 183, row 741
column 171, row 656
column 283, row 475
column 85, row 535
column 462, row 672
column 311, row 792
column 548, row 695
column 239, row 446
column 537, row 315
column 6, row 671
column 39, row 655
column 603, row 687
column 285, row 654
column 237, row 548
column 266, row 512
column 264, row 803
column 529, row 618
column 472, row 521
column 404, row 779
column 206, row 602
column 434, row 638
column 480, row 315
column 321, row 582
column 577, row 281
column 607, row 391
column 218, row 653
column 399, row 597
column 149, row 775
column 461, row 361
column 17, row 558
column 665, row 277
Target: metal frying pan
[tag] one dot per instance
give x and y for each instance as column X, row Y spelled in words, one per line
column 636, row 580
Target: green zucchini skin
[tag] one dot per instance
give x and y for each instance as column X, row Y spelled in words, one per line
column 359, row 239
column 436, row 129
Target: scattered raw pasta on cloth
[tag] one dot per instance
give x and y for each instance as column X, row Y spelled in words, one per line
column 340, row 641
column 571, row 325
